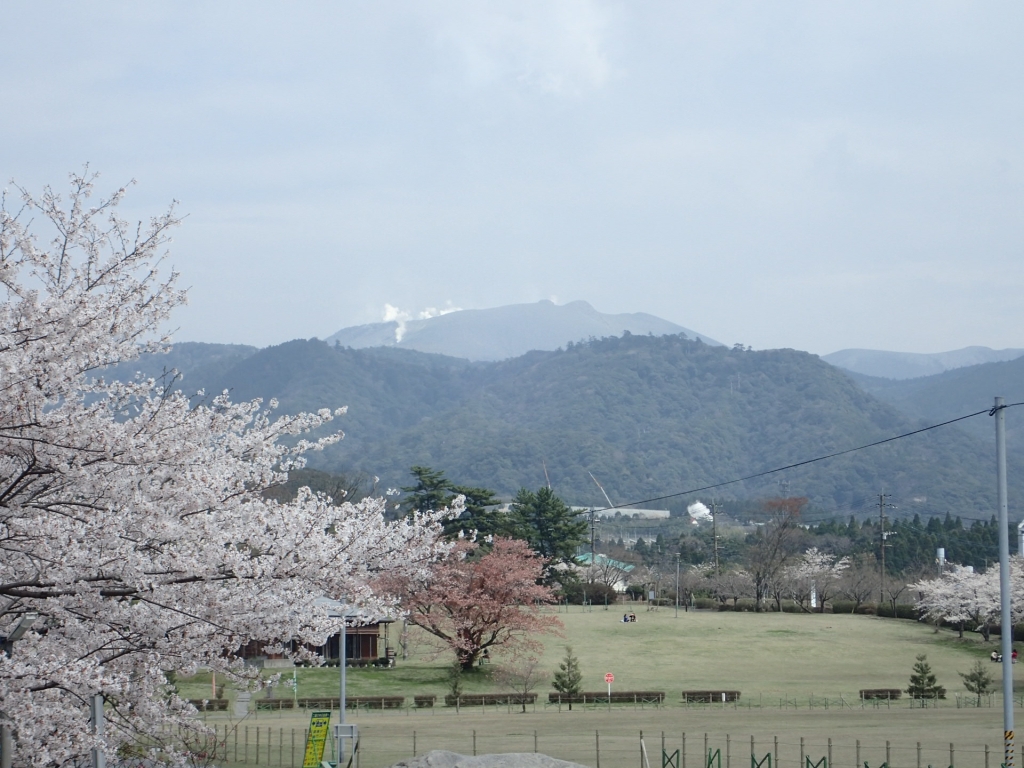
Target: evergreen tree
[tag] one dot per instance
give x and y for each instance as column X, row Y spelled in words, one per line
column 922, row 681
column 432, row 491
column 550, row 527
column 481, row 514
column 568, row 679
column 978, row 681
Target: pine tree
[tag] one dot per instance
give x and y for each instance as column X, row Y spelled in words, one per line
column 922, row 681
column 569, row 678
column 978, row 681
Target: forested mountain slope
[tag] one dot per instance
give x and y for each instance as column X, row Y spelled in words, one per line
column 953, row 393
column 647, row 415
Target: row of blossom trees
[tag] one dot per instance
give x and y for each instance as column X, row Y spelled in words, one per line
column 962, row 596
column 135, row 537
column 815, row 572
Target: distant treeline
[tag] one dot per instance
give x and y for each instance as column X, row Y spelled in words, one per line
column 911, row 545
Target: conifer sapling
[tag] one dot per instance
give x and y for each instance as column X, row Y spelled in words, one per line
column 569, row 677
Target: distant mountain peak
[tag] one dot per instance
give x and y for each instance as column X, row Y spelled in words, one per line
column 500, row 333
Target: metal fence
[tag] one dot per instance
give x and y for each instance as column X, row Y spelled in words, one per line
column 280, row 747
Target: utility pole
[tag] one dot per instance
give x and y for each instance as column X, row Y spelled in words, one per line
column 882, row 504
column 1006, row 633
column 593, row 540
column 677, row 585
column 714, row 532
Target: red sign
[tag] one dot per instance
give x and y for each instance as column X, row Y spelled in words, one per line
column 609, row 678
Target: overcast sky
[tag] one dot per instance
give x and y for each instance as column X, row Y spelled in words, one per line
column 810, row 175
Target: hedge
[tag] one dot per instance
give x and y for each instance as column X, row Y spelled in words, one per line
column 596, row 593
column 709, row 697
column 351, row 702
column 209, row 705
column 601, row 697
column 479, row 699
column 881, row 693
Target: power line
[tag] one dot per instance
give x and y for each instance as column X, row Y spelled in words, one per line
column 989, row 411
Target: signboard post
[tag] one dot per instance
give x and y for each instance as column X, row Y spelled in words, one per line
column 609, row 678
column 319, row 723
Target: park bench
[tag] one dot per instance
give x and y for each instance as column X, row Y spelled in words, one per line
column 880, row 693
column 708, row 697
column 424, row 700
column 480, row 699
column 209, row 705
column 601, row 697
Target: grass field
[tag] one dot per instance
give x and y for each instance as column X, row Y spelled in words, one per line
column 769, row 657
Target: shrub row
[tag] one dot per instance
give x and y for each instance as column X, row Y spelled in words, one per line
column 881, row 693
column 351, row 702
column 478, row 699
column 601, row 697
column 209, row 705
column 595, row 593
column 710, row 696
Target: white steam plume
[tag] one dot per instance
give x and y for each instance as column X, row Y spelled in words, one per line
column 393, row 314
column 698, row 512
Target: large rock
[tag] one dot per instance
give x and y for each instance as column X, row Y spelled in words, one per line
column 439, row 758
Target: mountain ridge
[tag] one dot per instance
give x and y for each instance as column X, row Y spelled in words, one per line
column 647, row 415
column 501, row 333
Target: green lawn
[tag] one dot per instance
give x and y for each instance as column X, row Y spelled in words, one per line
column 763, row 655
column 769, row 657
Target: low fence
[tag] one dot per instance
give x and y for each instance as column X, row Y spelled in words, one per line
column 261, row 745
column 702, row 700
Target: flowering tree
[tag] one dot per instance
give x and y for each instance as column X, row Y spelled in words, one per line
column 133, row 529
column 475, row 605
column 961, row 595
column 817, row 572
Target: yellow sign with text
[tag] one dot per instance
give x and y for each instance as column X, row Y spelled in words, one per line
column 319, row 725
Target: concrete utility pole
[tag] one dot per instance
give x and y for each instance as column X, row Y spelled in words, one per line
column 882, row 504
column 99, row 758
column 1006, row 631
column 677, row 585
column 714, row 532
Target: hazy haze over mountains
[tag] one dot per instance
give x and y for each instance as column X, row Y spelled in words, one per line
column 501, row 333
column 911, row 365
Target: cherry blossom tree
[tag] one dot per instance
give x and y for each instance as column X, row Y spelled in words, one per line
column 474, row 605
column 134, row 536
column 961, row 595
column 817, row 572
